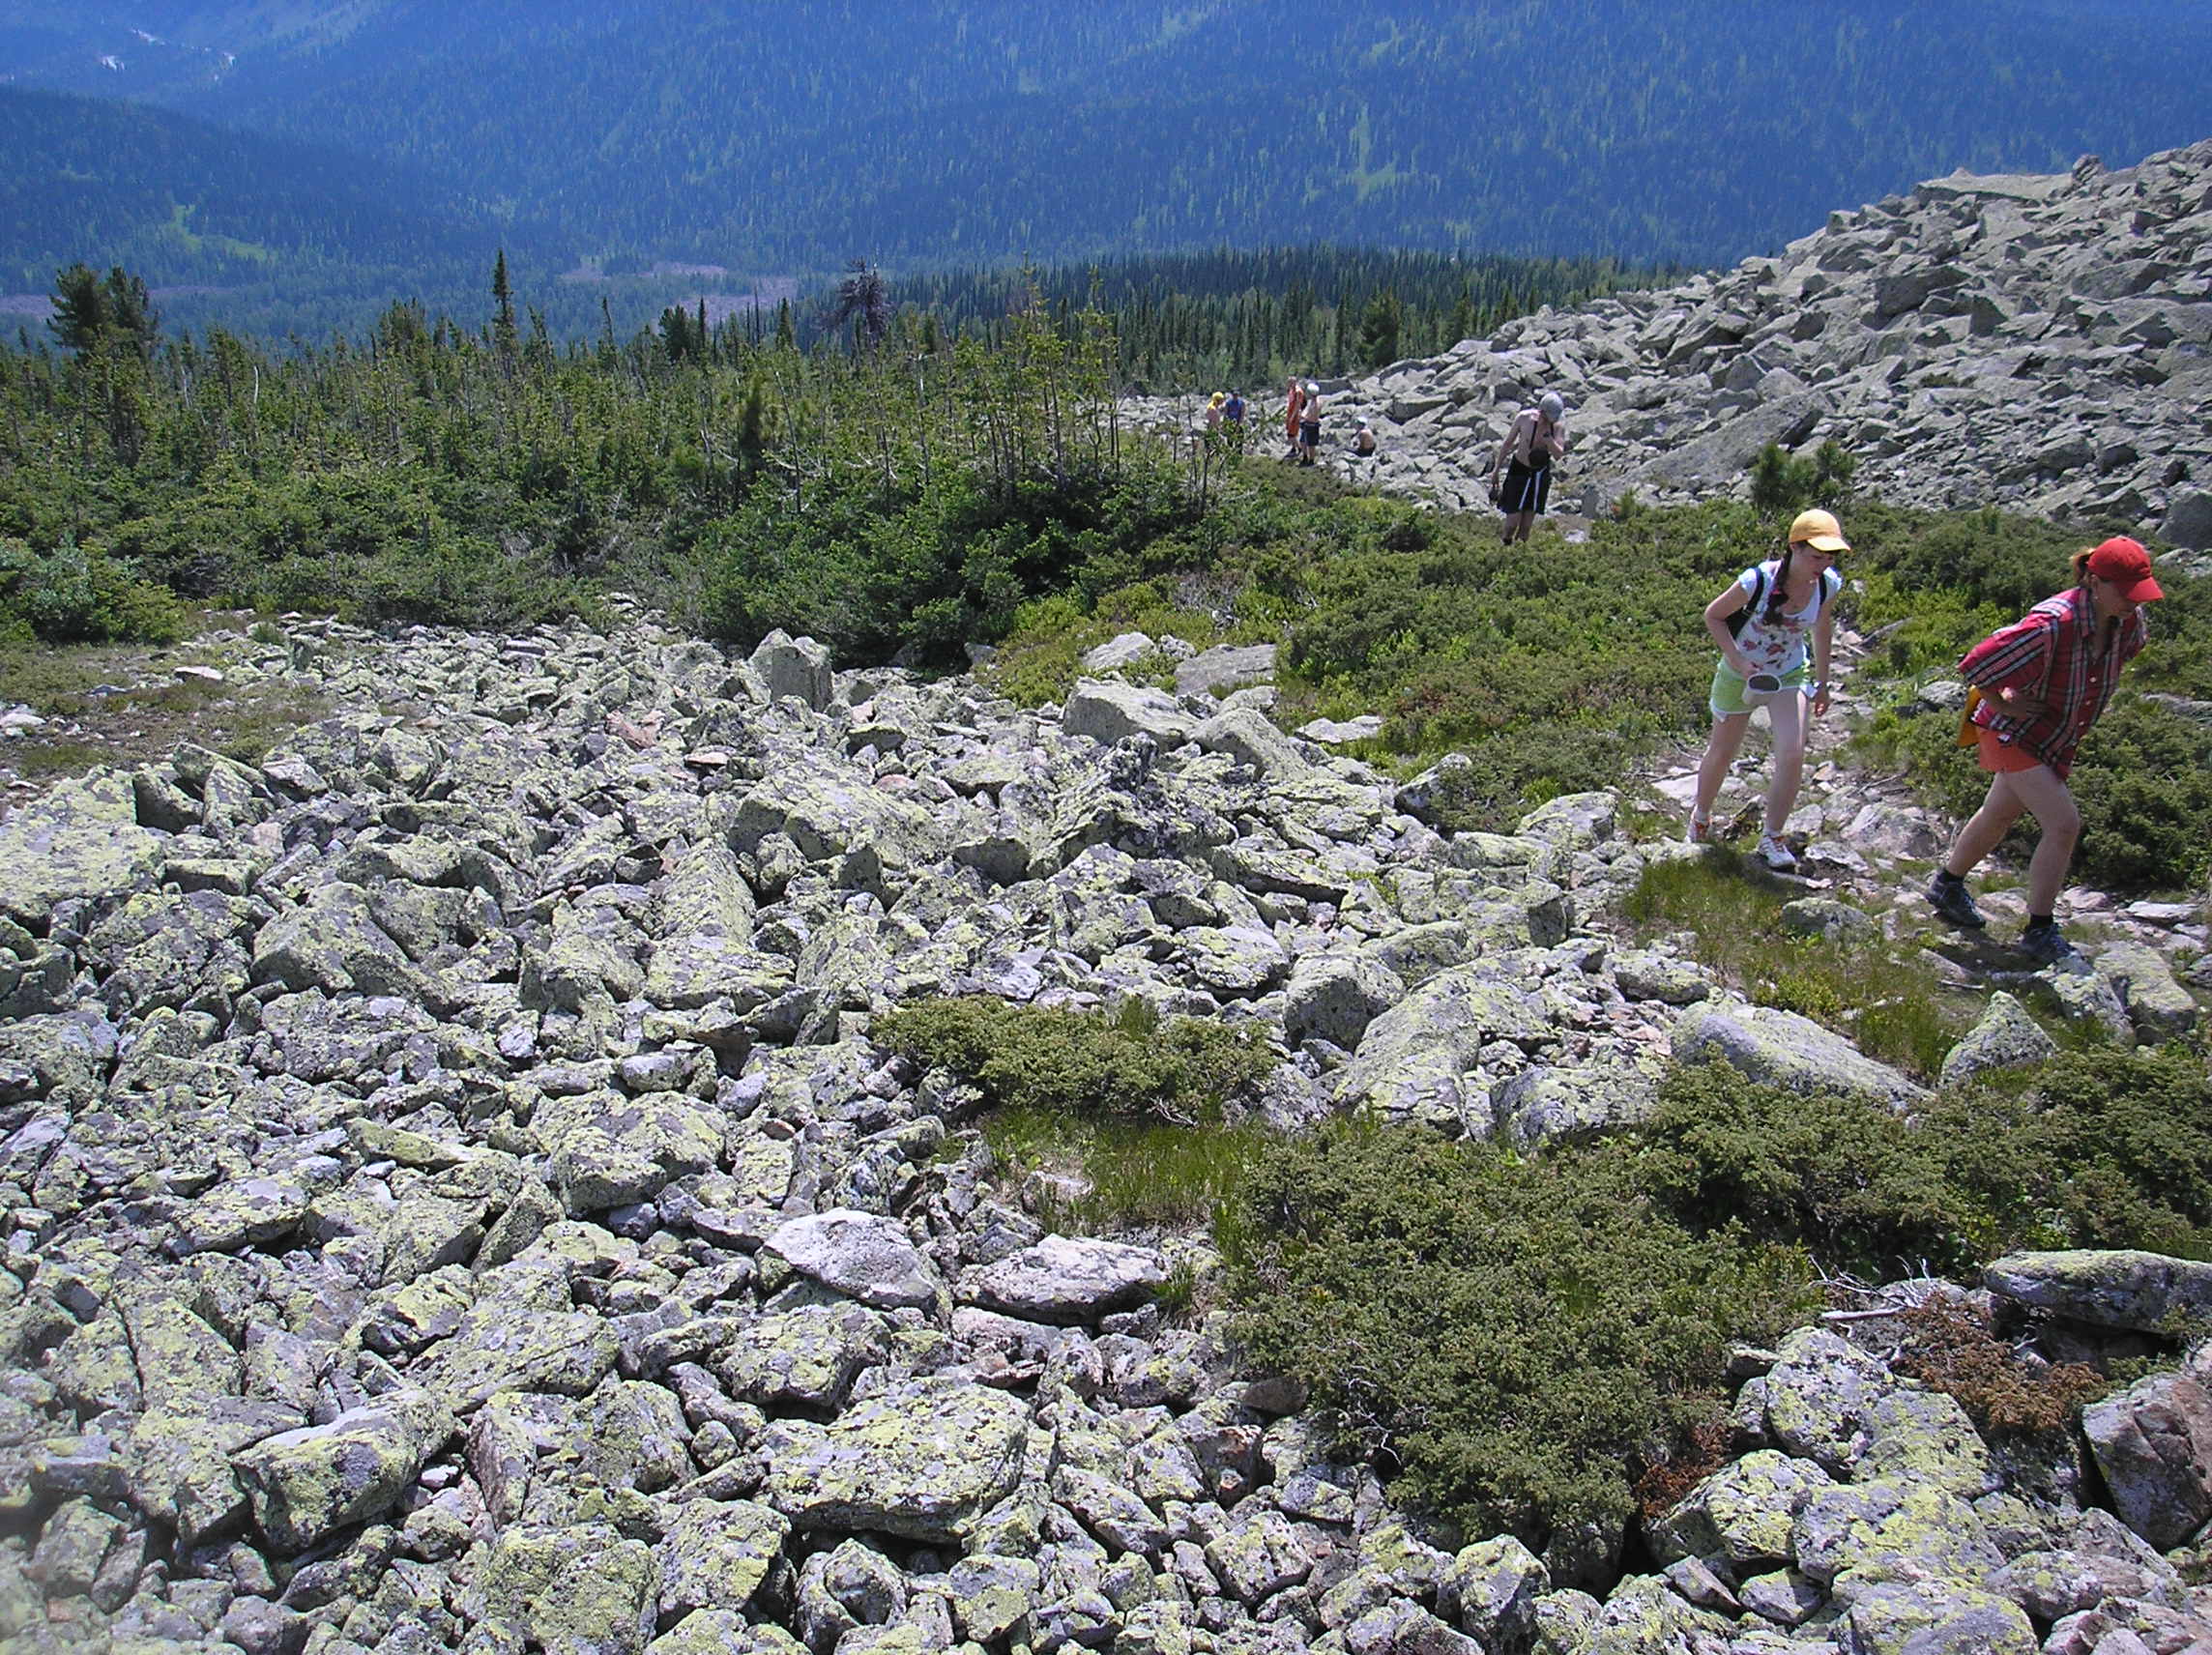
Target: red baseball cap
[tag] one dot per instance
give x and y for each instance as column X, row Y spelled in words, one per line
column 2125, row 564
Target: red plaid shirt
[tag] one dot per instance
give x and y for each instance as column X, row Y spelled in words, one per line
column 2050, row 654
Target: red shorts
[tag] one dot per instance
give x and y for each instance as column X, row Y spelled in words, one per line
column 2004, row 758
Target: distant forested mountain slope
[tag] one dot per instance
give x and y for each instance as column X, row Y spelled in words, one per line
column 182, row 202
column 796, row 135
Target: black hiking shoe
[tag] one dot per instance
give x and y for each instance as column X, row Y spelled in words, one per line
column 1953, row 901
column 2045, row 944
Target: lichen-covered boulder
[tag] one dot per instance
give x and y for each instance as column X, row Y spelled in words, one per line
column 583, row 1590
column 1891, row 1531
column 1491, row 1588
column 2107, row 1287
column 1335, row 997
column 1742, row 1513
column 1830, row 1402
column 1543, row 1103
column 803, row 1357
column 1065, row 1279
column 632, row 1148
column 794, row 667
column 307, row 1484
column 81, row 839
column 717, row 1554
column 863, row 1255
column 1780, row 1048
column 2006, row 1037
column 1410, row 1062
column 1107, row 711
column 2158, row 1005
column 1939, row 1618
column 992, row 1596
column 924, row 1461
column 2153, row 1444
column 1257, row 1553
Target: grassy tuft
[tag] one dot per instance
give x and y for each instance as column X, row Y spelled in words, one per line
column 1886, row 999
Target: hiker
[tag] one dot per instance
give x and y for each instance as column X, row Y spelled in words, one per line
column 2034, row 689
column 1762, row 624
column 1214, row 405
column 1309, row 423
column 1233, row 411
column 1536, row 438
column 1291, row 412
column 1363, row 440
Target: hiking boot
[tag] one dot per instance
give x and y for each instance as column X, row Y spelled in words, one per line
column 1700, row 831
column 1953, row 901
column 1776, row 855
column 2045, row 944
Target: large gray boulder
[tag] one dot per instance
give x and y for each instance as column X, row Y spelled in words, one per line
column 924, row 1461
column 2153, row 1445
column 1065, row 1279
column 863, row 1255
column 1780, row 1048
column 794, row 667
column 2117, row 1288
column 1108, row 711
column 2006, row 1037
column 81, row 839
column 307, row 1485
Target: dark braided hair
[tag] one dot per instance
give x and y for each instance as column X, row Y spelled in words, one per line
column 1775, row 597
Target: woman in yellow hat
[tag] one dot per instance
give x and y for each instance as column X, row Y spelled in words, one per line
column 1764, row 622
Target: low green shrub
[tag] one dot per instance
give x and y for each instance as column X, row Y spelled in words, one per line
column 1517, row 1342
column 75, row 594
column 2091, row 1149
column 1182, row 1069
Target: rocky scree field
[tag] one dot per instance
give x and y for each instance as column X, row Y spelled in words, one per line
column 2041, row 343
column 456, row 1200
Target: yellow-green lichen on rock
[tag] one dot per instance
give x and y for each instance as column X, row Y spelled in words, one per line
column 923, row 1460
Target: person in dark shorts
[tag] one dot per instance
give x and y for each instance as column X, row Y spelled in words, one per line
column 2041, row 683
column 1536, row 439
column 1309, row 423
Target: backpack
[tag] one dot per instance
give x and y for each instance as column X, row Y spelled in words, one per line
column 1737, row 621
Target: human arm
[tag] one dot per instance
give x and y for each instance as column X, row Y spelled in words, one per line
column 2009, row 664
column 1506, row 445
column 1733, row 599
column 1823, row 650
column 1553, row 436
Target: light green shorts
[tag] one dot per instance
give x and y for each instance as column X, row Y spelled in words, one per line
column 1730, row 699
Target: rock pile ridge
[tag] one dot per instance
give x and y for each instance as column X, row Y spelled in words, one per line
column 2041, row 343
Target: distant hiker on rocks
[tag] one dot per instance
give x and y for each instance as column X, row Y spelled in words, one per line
column 1232, row 412
column 1363, row 439
column 1533, row 441
column 1762, row 624
column 1309, row 423
column 2034, row 689
column 1291, row 412
column 1214, row 405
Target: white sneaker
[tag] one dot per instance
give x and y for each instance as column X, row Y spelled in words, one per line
column 1776, row 855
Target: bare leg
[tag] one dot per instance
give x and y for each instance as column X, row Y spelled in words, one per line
column 2000, row 808
column 1788, row 713
column 2055, row 813
column 1721, row 749
column 1518, row 526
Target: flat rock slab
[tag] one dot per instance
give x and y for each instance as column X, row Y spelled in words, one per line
column 1109, row 711
column 858, row 1254
column 1780, row 1048
column 923, row 1463
column 1224, row 668
column 1063, row 1279
column 2118, row 1287
column 82, row 840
